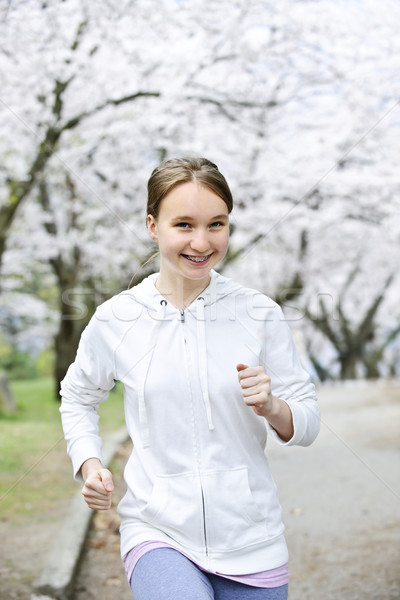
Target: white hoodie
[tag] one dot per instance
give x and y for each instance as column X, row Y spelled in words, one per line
column 198, row 477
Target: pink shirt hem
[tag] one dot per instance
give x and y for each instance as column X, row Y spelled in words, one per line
column 265, row 579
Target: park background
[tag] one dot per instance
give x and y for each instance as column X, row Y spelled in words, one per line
column 296, row 101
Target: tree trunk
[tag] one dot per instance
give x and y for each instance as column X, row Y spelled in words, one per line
column 65, row 344
column 348, row 364
column 75, row 312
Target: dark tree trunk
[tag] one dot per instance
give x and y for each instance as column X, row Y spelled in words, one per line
column 348, row 366
column 65, row 345
column 75, row 312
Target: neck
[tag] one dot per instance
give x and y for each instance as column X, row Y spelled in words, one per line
column 182, row 293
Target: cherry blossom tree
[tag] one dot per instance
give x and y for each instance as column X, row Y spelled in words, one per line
column 295, row 101
column 81, row 121
column 329, row 239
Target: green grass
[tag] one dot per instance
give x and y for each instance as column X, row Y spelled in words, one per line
column 35, row 471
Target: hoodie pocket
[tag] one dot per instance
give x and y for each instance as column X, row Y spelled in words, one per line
column 175, row 507
column 233, row 519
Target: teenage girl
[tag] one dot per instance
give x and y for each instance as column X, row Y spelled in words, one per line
column 209, row 369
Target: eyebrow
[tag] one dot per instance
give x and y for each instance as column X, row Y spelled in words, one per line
column 187, row 218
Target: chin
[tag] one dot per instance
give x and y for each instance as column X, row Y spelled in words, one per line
column 198, row 275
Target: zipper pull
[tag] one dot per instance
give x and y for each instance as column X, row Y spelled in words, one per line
column 182, row 315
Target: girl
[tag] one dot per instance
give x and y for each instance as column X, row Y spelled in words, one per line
column 208, row 367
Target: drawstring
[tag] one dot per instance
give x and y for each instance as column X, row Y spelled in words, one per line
column 202, row 358
column 143, row 419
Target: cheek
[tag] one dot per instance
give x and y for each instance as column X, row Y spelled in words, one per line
column 224, row 241
column 171, row 242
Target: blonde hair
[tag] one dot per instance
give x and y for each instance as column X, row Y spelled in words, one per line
column 176, row 171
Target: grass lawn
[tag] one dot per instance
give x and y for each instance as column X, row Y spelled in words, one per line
column 35, row 471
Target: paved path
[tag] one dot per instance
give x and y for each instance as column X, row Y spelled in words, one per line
column 341, row 502
column 341, row 498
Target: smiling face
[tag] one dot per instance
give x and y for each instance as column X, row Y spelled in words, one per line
column 192, row 232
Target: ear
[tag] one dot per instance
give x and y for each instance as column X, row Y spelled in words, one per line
column 152, row 228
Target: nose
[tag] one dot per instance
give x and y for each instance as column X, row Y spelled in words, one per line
column 199, row 241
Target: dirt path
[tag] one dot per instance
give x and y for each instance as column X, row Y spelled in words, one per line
column 341, row 503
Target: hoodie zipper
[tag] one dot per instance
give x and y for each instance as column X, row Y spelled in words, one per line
column 203, row 504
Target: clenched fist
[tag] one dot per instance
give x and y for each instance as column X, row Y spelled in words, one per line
column 256, row 392
column 98, row 485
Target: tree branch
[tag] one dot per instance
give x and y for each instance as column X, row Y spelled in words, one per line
column 19, row 189
column 322, row 323
column 111, row 102
column 366, row 325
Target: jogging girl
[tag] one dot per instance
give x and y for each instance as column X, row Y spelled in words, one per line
column 208, row 369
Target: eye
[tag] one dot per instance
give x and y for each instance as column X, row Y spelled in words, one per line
column 183, row 225
column 217, row 224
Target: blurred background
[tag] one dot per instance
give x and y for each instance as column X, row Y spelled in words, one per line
column 296, row 101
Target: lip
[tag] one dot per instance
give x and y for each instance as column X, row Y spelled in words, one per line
column 187, row 258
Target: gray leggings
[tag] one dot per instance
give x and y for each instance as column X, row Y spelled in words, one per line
column 164, row 573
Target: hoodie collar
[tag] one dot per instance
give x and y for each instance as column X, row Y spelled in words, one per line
column 159, row 308
column 148, row 295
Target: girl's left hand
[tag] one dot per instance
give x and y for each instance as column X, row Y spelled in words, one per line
column 256, row 389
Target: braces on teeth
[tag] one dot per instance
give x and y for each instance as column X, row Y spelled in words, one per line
column 197, row 258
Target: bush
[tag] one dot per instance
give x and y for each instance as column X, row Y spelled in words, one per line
column 18, row 365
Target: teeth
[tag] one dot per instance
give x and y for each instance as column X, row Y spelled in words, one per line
column 197, row 258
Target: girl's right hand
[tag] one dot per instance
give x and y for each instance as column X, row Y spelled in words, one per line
column 98, row 485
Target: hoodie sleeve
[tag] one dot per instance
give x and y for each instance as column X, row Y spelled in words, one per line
column 86, row 384
column 289, row 380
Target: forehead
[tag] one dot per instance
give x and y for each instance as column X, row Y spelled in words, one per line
column 192, row 200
